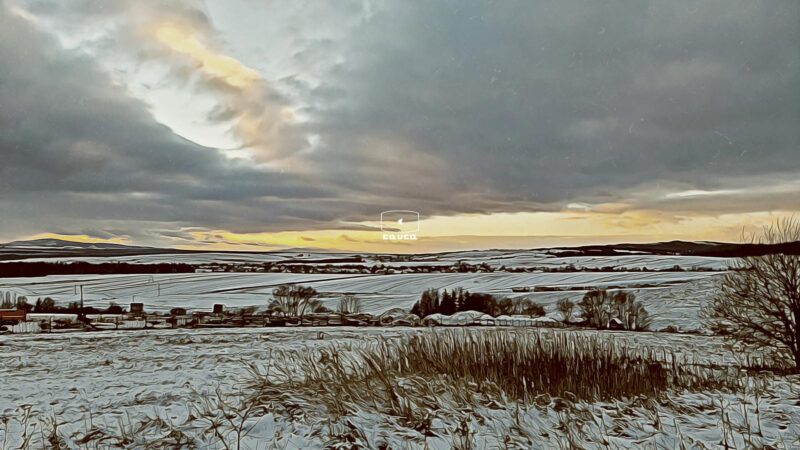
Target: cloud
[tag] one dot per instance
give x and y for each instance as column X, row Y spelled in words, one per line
column 149, row 117
column 77, row 151
column 552, row 102
column 701, row 193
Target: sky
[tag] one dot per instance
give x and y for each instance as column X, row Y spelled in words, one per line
column 259, row 125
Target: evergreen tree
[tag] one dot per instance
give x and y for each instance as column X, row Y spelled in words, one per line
column 448, row 305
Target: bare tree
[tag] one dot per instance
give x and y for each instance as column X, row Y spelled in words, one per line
column 527, row 307
column 600, row 308
column 758, row 303
column 293, row 300
column 596, row 309
column 349, row 304
column 631, row 314
column 565, row 306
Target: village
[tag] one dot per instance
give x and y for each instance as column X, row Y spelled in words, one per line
column 20, row 321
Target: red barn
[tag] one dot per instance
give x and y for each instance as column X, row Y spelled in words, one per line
column 12, row 316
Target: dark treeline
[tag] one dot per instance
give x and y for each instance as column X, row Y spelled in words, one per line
column 10, row 300
column 451, row 302
column 40, row 269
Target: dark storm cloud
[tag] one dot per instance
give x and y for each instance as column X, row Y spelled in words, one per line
column 75, row 149
column 440, row 107
column 555, row 101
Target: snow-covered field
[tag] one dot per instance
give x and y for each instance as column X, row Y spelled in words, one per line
column 105, row 380
column 114, row 380
column 673, row 297
column 117, row 374
column 494, row 258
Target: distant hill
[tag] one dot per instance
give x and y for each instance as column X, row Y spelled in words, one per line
column 49, row 244
column 55, row 248
column 58, row 248
column 681, row 248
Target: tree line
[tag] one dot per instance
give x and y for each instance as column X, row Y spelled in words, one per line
column 458, row 299
column 10, row 300
column 41, row 269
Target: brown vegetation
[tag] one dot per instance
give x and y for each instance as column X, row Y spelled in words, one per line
column 603, row 310
column 451, row 302
column 759, row 303
column 403, row 376
column 292, row 300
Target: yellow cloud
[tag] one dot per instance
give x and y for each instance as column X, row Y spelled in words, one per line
column 508, row 230
column 220, row 66
column 259, row 120
column 81, row 238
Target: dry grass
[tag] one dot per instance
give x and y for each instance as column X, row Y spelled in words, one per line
column 412, row 373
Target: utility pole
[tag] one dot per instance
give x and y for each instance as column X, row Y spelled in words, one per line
column 81, row 313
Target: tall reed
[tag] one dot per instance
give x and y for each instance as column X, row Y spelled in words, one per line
column 408, row 376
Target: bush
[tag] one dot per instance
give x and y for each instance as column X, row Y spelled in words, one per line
column 527, row 307
column 599, row 308
column 114, row 308
column 45, row 305
column 349, row 304
column 565, row 306
column 10, row 300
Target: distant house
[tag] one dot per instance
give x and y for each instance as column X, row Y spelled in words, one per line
column 12, row 316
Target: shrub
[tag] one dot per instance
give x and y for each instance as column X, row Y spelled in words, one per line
column 45, row 305
column 565, row 306
column 599, row 308
column 114, row 308
column 349, row 304
column 10, row 300
column 527, row 307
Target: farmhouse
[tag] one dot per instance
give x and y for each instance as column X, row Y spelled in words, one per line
column 12, row 316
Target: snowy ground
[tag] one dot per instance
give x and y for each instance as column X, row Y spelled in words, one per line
column 102, row 379
column 96, row 380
